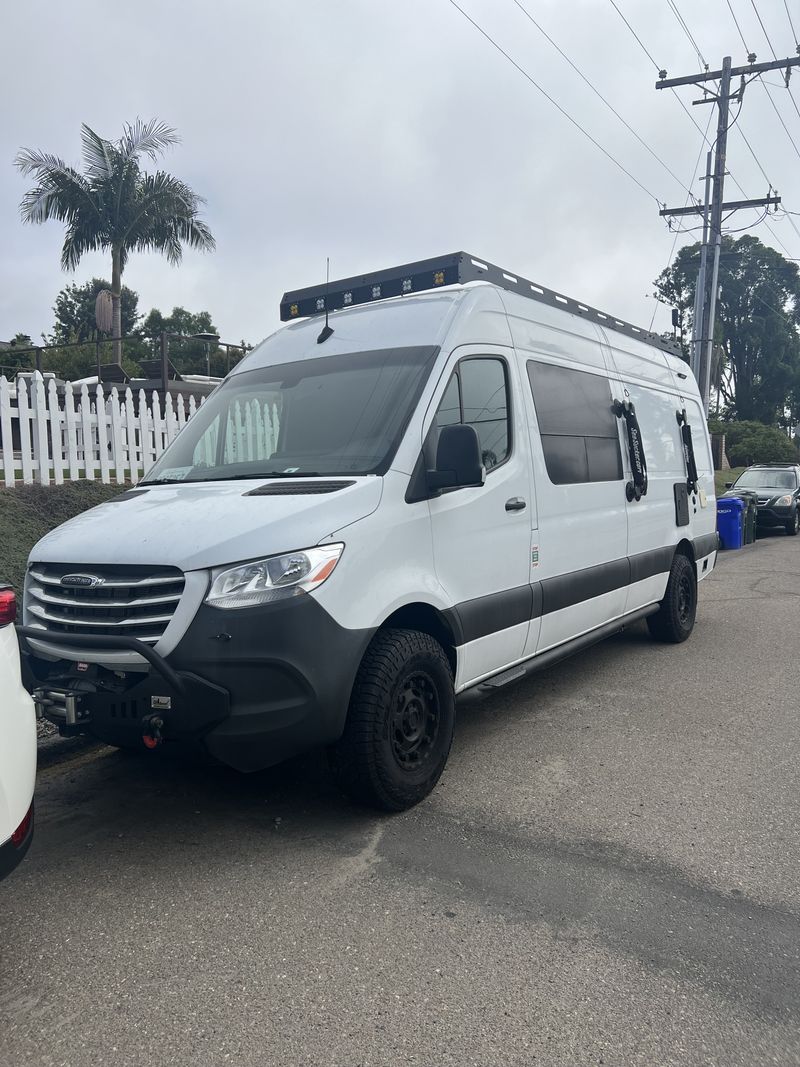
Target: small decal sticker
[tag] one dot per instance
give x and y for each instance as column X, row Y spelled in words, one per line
column 161, row 703
column 535, row 556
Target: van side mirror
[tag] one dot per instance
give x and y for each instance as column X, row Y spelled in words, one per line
column 458, row 459
column 729, row 485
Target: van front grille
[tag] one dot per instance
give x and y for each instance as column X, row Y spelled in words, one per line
column 105, row 601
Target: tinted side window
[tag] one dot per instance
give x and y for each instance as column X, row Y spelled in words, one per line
column 477, row 395
column 578, row 426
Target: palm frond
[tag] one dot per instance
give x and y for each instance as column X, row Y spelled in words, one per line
column 166, row 207
column 32, row 161
column 81, row 237
column 98, row 154
column 151, row 138
column 61, row 191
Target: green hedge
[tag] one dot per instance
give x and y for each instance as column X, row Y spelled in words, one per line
column 753, row 442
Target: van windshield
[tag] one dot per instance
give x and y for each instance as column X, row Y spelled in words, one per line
column 331, row 415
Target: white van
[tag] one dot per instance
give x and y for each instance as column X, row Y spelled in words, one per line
column 455, row 478
column 17, row 744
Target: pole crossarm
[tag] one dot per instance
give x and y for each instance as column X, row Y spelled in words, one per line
column 715, row 75
column 731, row 205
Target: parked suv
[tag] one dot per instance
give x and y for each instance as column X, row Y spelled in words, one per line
column 777, row 486
column 17, row 744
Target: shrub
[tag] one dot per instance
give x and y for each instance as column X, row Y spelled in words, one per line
column 753, row 442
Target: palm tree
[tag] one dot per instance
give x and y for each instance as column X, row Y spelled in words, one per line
column 113, row 204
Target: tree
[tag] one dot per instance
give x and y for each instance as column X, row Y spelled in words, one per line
column 13, row 356
column 114, row 205
column 756, row 328
column 75, row 311
column 188, row 355
column 753, row 442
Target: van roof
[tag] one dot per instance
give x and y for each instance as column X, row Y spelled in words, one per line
column 457, row 268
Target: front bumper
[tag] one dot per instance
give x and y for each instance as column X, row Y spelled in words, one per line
column 250, row 687
column 772, row 516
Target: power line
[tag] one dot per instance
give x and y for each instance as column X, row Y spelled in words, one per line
column 599, row 95
column 738, row 27
column 775, row 56
column 791, row 24
column 688, row 198
column 641, row 44
column 555, row 103
column 744, row 138
column 780, row 118
column 682, row 23
column 691, row 118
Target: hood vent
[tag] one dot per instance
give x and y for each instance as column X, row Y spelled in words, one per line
column 298, row 488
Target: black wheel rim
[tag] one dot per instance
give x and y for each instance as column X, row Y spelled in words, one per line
column 414, row 721
column 686, row 592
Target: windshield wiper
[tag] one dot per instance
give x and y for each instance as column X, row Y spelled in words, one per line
column 261, row 474
column 237, row 477
column 165, row 481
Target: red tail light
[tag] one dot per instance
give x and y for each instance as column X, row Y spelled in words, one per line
column 8, row 606
column 22, row 831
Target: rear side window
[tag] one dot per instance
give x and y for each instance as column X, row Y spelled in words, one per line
column 577, row 424
column 477, row 396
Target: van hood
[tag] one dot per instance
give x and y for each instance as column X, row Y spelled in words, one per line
column 209, row 524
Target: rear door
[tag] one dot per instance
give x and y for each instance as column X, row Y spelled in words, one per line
column 645, row 379
column 482, row 535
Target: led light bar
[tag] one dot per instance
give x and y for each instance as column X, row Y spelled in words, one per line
column 458, row 268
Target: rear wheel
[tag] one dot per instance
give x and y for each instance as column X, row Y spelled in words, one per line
column 674, row 620
column 400, row 723
column 793, row 525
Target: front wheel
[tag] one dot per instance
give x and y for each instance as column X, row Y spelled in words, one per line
column 400, row 723
column 674, row 620
column 793, row 525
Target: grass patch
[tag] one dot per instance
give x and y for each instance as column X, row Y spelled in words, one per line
column 721, row 477
column 28, row 512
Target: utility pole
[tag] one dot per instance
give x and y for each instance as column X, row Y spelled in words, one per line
column 708, row 277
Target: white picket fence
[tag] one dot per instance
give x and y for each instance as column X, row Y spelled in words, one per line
column 94, row 434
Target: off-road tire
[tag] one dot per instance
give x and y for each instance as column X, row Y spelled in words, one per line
column 793, row 525
column 674, row 620
column 400, row 722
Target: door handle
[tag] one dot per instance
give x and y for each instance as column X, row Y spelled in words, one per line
column 516, row 503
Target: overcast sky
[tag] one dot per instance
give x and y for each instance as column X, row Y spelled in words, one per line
column 379, row 132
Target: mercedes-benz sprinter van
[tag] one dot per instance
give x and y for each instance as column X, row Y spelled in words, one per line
column 435, row 479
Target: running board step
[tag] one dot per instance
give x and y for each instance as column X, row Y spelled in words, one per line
column 554, row 655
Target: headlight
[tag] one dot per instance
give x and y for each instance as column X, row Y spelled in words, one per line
column 275, row 578
column 784, row 501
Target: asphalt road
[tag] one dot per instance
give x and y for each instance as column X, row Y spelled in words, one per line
column 607, row 874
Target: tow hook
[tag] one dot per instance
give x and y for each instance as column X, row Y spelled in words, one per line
column 152, row 736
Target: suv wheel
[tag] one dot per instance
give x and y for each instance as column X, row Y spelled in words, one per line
column 400, row 723
column 793, row 525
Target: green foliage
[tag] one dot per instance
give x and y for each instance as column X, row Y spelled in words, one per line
column 13, row 357
column 756, row 333
column 753, row 442
column 75, row 311
column 114, row 205
column 187, row 355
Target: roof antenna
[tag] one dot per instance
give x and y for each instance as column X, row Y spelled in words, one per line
column 327, row 331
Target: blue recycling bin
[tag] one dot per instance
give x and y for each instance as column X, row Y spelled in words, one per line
column 730, row 521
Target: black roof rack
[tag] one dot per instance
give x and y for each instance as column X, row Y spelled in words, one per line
column 454, row 269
